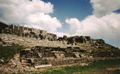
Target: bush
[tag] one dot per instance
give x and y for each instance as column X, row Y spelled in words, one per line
column 8, row 52
column 106, row 53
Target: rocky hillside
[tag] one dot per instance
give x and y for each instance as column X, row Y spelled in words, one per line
column 12, row 34
column 33, row 48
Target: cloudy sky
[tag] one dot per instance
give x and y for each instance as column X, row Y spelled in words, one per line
column 96, row 18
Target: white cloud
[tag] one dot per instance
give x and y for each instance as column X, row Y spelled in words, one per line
column 106, row 27
column 74, row 23
column 26, row 5
column 102, row 24
column 35, row 13
column 44, row 22
column 103, row 7
column 61, row 34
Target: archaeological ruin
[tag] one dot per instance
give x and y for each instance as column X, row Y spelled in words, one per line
column 43, row 49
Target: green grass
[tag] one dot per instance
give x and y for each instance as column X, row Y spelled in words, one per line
column 97, row 65
column 106, row 53
column 8, row 52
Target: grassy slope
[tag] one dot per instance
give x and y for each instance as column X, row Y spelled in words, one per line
column 8, row 52
column 92, row 67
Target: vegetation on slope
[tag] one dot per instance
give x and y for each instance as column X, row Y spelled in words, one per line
column 8, row 52
column 94, row 66
column 106, row 53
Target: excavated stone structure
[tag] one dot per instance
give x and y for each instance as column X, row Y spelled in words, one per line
column 26, row 32
column 54, row 56
column 45, row 49
column 40, row 34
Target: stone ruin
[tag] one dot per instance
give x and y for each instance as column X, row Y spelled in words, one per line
column 38, row 56
column 43, row 35
column 71, row 50
column 26, row 32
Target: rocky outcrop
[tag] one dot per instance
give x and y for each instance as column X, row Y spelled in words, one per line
column 43, row 35
column 54, row 56
column 30, row 37
column 45, row 49
column 26, row 32
column 79, row 39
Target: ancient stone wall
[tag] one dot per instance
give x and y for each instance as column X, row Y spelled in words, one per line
column 43, row 37
column 53, row 55
column 26, row 32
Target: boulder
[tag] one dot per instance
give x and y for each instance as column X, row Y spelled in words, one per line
column 51, row 37
column 100, row 41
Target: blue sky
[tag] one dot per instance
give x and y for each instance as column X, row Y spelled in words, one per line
column 117, row 11
column 95, row 18
column 71, row 8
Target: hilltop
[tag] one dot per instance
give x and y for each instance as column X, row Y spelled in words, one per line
column 33, row 48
